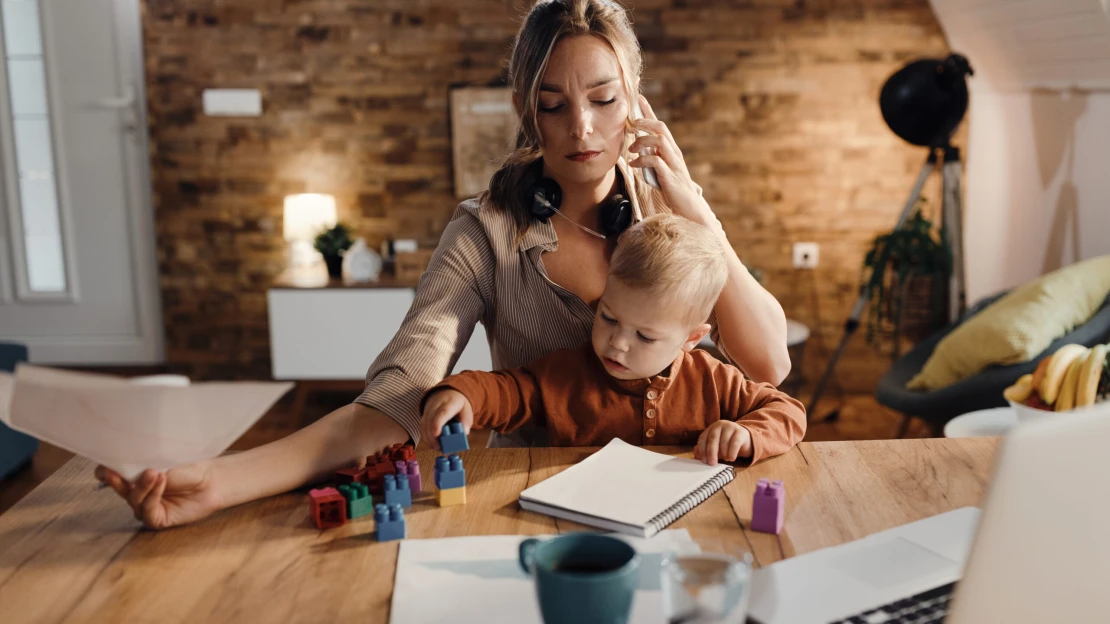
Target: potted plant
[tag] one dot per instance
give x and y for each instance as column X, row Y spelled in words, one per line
column 331, row 243
column 908, row 272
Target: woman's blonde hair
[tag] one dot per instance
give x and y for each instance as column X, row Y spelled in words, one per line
column 546, row 24
column 676, row 259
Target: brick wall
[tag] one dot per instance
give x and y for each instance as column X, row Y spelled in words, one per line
column 773, row 102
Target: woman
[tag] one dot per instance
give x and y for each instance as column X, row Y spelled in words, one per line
column 574, row 71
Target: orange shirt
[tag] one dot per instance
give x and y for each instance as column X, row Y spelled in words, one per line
column 580, row 404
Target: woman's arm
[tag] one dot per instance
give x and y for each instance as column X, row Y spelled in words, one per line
column 751, row 323
column 449, row 301
column 451, row 298
column 190, row 492
column 340, row 439
column 751, row 326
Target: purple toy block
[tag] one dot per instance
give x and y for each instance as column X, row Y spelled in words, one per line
column 767, row 506
column 411, row 469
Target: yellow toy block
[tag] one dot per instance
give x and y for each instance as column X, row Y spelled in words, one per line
column 453, row 496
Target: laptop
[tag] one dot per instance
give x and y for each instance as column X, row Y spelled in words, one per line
column 1038, row 552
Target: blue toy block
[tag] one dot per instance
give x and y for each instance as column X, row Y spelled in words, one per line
column 359, row 501
column 390, row 522
column 397, row 491
column 452, row 439
column 449, row 473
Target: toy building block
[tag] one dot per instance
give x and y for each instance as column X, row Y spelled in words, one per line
column 453, row 496
column 351, row 475
column 402, row 452
column 412, row 471
column 381, row 463
column 397, row 490
column 452, row 439
column 359, row 501
column 449, row 472
column 767, row 506
column 378, row 467
column 329, row 508
column 390, row 522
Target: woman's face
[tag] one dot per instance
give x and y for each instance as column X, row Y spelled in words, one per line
column 582, row 110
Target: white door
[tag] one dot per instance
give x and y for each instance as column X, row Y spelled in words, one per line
column 78, row 278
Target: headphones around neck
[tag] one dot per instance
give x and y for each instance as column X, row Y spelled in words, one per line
column 545, row 197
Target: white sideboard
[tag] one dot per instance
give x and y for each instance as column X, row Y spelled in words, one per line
column 334, row 331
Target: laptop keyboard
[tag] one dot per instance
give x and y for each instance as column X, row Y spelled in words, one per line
column 924, row 608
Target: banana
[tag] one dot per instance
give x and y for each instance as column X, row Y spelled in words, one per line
column 1057, row 368
column 1021, row 389
column 1089, row 376
column 1066, row 400
column 1038, row 374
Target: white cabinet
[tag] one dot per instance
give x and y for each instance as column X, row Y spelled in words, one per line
column 334, row 332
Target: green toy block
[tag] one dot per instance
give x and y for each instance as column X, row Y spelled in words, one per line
column 359, row 501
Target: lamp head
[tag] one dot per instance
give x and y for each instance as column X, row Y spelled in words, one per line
column 925, row 101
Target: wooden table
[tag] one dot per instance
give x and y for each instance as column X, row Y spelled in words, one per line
column 70, row 552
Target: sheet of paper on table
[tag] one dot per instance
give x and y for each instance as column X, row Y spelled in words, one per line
column 478, row 579
column 156, row 422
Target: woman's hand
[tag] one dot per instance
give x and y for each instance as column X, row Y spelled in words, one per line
column 165, row 499
column 441, row 407
column 724, row 440
column 658, row 150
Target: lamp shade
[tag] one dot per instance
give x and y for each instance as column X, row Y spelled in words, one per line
column 925, row 101
column 306, row 214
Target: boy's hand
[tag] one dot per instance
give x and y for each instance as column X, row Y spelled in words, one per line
column 165, row 499
column 724, row 440
column 442, row 406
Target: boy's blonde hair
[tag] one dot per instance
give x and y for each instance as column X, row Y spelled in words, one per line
column 674, row 258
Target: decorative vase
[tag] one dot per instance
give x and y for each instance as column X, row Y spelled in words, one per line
column 360, row 263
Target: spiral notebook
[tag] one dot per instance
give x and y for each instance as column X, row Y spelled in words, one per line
column 627, row 489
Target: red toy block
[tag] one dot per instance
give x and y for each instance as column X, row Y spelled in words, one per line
column 351, row 475
column 402, row 452
column 381, row 464
column 329, row 507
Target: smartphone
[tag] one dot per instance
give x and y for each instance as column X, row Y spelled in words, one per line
column 649, row 172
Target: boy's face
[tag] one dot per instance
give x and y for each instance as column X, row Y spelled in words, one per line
column 638, row 334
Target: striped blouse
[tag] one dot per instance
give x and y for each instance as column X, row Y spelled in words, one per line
column 479, row 273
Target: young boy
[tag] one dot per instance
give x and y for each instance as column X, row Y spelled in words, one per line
column 639, row 379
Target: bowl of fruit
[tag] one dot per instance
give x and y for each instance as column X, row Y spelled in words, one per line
column 1073, row 377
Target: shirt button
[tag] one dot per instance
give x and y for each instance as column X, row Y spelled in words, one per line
column 651, row 395
column 651, row 412
column 650, row 433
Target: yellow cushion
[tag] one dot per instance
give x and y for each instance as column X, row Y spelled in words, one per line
column 1018, row 326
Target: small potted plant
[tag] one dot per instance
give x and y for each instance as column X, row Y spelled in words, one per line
column 331, row 243
column 908, row 272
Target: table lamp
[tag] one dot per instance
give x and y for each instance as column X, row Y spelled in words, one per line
column 305, row 216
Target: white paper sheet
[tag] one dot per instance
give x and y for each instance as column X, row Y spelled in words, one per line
column 478, row 579
column 132, row 426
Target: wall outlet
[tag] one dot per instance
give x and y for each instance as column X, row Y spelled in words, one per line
column 806, row 255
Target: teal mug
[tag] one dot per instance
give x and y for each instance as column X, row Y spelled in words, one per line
column 582, row 578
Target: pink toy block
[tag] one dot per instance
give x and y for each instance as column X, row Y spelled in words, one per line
column 410, row 469
column 767, row 506
column 329, row 507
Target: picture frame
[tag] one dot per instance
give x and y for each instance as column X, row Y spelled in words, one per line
column 483, row 130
